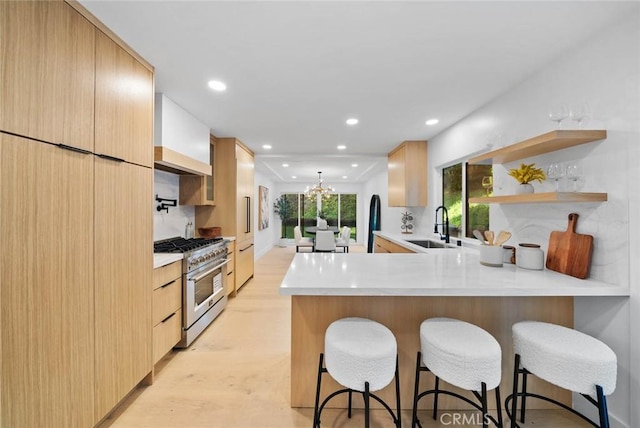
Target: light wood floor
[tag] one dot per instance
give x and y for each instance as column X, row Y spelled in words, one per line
column 236, row 374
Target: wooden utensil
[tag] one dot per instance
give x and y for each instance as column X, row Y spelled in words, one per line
column 478, row 235
column 503, row 237
column 570, row 252
column 489, row 235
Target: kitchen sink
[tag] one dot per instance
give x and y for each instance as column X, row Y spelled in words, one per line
column 425, row 243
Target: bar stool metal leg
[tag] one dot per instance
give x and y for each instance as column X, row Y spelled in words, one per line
column 316, row 416
column 366, row 405
column 435, row 398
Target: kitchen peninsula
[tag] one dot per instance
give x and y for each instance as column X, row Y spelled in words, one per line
column 401, row 290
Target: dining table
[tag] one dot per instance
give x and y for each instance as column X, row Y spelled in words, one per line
column 313, row 229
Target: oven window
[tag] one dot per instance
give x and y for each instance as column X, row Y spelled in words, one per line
column 204, row 288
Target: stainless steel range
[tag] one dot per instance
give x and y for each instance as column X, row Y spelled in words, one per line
column 204, row 273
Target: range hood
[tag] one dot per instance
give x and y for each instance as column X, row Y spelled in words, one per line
column 169, row 160
column 182, row 142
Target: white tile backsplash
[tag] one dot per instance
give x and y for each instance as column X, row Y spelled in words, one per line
column 171, row 224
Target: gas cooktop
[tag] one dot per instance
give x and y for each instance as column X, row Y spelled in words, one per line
column 182, row 245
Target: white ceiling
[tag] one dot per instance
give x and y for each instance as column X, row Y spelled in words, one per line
column 296, row 70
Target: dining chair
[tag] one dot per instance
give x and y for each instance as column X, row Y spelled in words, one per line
column 300, row 241
column 325, row 241
column 343, row 240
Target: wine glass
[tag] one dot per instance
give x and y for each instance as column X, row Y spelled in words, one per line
column 555, row 172
column 573, row 174
column 487, row 183
column 558, row 114
column 578, row 113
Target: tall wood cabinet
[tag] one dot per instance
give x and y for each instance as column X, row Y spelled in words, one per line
column 407, row 169
column 124, row 236
column 76, row 218
column 235, row 202
column 46, row 292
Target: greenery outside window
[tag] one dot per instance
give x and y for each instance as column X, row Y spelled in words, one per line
column 339, row 210
column 459, row 183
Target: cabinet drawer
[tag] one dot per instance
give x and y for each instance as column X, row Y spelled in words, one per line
column 166, row 335
column 231, row 282
column 166, row 274
column 166, row 300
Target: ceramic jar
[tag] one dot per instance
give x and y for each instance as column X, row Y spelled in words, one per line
column 530, row 256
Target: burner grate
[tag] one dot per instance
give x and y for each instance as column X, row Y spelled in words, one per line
column 182, row 245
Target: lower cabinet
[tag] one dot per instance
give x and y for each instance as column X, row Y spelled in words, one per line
column 382, row 245
column 123, row 277
column 230, row 286
column 46, row 291
column 167, row 308
column 244, row 262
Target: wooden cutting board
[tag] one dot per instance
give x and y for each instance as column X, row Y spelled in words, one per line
column 570, row 252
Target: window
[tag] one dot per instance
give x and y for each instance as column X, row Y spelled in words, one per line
column 456, row 192
column 339, row 210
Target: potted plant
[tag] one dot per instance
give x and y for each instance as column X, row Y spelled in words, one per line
column 283, row 208
column 525, row 174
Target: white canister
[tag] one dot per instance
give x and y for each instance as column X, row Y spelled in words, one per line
column 491, row 255
column 530, row 256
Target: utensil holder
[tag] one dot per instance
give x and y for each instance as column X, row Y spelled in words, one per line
column 491, row 255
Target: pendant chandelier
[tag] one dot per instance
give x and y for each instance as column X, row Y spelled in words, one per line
column 318, row 190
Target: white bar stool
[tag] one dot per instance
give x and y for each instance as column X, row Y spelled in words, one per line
column 463, row 355
column 361, row 355
column 566, row 358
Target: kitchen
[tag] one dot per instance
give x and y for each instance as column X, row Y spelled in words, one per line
column 603, row 70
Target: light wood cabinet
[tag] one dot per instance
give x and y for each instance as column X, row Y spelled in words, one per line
column 47, row 63
column 407, row 175
column 46, row 297
column 167, row 308
column 124, row 104
column 383, row 245
column 76, row 280
column 123, row 269
column 199, row 189
column 231, row 268
column 244, row 262
column 234, row 210
column 539, row 145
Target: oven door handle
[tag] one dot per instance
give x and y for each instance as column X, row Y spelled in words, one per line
column 202, row 275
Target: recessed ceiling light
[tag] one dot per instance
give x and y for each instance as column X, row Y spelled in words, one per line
column 293, row 176
column 266, row 146
column 217, row 85
column 344, row 176
column 342, row 147
column 354, row 165
column 285, row 165
column 432, row 122
column 352, row 121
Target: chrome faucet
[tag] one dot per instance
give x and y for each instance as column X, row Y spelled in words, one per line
column 445, row 224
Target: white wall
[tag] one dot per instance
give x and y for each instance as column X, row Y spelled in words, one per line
column 605, row 72
column 265, row 239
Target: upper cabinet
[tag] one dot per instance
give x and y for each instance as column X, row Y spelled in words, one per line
column 48, row 94
column 181, row 141
column 407, row 169
column 199, row 189
column 124, row 104
column 539, row 145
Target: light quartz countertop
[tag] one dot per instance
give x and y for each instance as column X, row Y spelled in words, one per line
column 163, row 259
column 431, row 272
